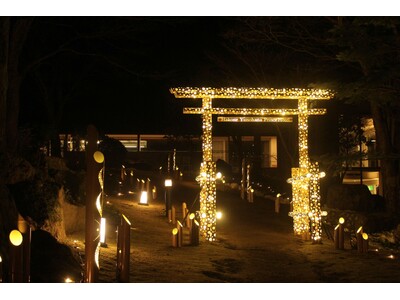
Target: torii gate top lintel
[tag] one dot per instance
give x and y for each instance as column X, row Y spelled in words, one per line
column 252, row 93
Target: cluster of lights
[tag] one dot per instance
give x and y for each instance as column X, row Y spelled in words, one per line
column 303, row 185
column 251, row 93
column 301, row 223
column 315, row 203
column 208, row 200
column 252, row 111
column 255, row 119
column 307, row 214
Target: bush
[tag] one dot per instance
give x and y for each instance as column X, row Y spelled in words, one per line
column 36, row 199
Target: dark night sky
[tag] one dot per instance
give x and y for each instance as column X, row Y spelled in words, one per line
column 125, row 86
column 148, row 55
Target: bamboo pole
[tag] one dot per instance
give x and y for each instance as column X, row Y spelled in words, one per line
column 194, row 231
column 26, row 231
column 365, row 242
column 277, row 204
column 180, row 233
column 173, row 215
column 16, row 256
column 175, row 237
column 359, row 237
column 184, row 206
column 336, row 236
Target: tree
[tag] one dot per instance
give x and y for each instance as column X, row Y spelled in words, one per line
column 358, row 57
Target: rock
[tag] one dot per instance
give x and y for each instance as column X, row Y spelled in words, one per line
column 18, row 170
column 52, row 261
column 355, row 197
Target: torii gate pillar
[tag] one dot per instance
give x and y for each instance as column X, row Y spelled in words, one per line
column 208, row 193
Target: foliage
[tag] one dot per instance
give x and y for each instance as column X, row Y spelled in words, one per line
column 114, row 152
column 36, row 199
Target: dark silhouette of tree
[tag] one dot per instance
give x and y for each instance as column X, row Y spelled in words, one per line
column 358, row 57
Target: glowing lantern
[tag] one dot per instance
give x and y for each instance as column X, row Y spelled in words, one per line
column 143, row 198
column 15, row 237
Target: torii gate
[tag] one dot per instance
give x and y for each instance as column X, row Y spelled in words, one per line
column 305, row 179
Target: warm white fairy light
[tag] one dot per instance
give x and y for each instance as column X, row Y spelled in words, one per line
column 315, row 203
column 253, row 111
column 305, row 208
column 251, row 93
column 255, row 119
column 300, row 200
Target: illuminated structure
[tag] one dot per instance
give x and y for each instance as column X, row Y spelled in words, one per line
column 305, row 179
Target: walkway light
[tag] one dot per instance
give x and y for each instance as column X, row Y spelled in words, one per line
column 103, row 232
column 143, row 198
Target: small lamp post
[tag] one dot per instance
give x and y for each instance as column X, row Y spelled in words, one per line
column 16, row 256
column 143, row 198
column 168, row 187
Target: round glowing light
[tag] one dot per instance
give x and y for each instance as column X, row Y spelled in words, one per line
column 219, row 175
column 191, row 216
column 341, row 220
column 1, row 259
column 219, row 215
column 365, row 236
column 203, row 215
column 98, row 157
column 16, row 237
column 68, row 280
column 322, row 175
column 175, row 231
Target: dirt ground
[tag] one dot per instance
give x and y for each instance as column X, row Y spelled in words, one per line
column 254, row 245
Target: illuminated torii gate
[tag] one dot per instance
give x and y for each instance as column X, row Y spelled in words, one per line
column 305, row 179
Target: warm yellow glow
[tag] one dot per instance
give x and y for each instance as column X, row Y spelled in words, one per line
column 359, row 230
column 341, row 220
column 102, row 230
column 97, row 255
column 98, row 157
column 1, row 260
column 168, row 182
column 192, row 216
column 16, row 237
column 218, row 175
column 175, row 231
column 324, row 213
column 126, row 219
column 252, row 112
column 143, row 198
column 305, row 181
column 98, row 203
column 255, row 119
column 251, row 93
column 219, row 215
column 68, row 280
column 365, row 236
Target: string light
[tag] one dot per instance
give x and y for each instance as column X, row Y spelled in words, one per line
column 251, row 93
column 305, row 179
column 255, row 119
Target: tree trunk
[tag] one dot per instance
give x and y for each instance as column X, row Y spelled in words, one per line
column 19, row 28
column 4, row 38
column 386, row 132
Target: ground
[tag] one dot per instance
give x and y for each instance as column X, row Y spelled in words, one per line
column 254, row 245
